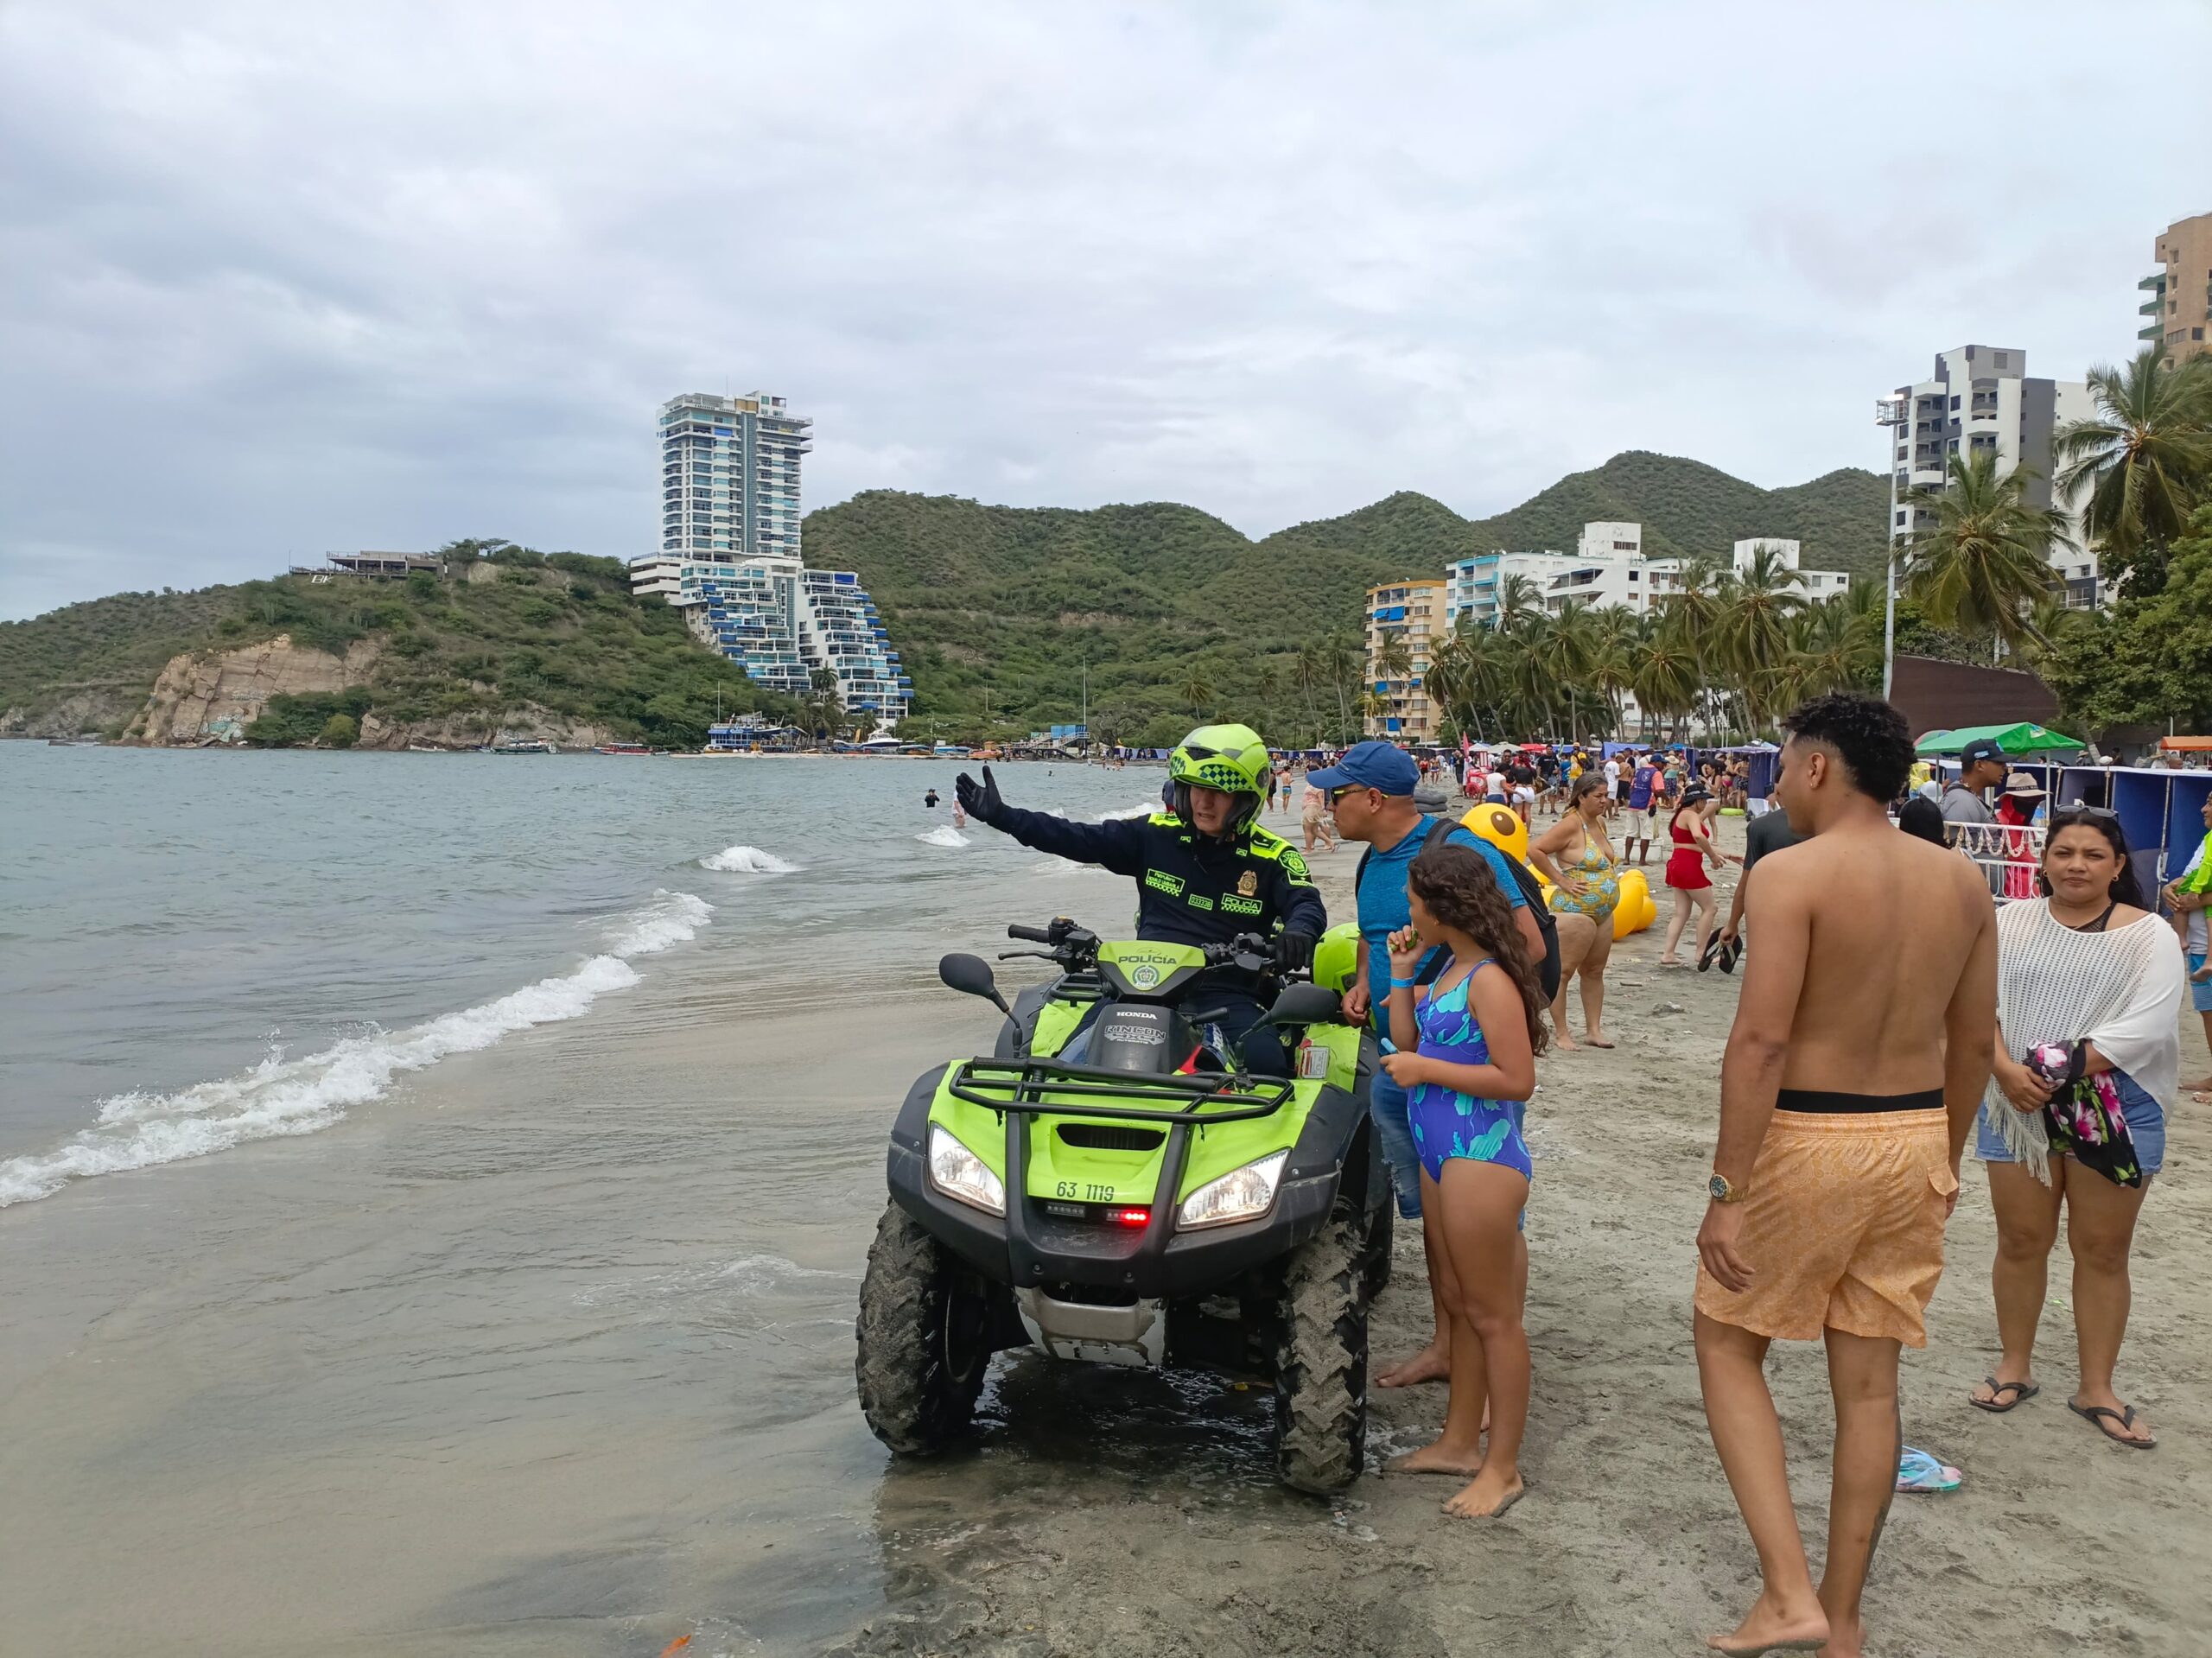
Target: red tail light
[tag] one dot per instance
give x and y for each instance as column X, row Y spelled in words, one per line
column 1130, row 1216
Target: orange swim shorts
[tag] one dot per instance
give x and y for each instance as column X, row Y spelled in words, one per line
column 1843, row 1227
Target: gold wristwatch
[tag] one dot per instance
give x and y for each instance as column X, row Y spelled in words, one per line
column 1722, row 1192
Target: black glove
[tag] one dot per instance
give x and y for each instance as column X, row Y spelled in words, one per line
column 980, row 801
column 1294, row 950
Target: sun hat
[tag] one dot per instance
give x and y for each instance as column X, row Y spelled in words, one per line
column 2023, row 783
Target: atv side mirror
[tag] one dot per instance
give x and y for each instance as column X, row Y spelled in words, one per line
column 1303, row 1004
column 972, row 976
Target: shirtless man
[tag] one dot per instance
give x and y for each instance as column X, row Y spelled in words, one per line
column 1830, row 1196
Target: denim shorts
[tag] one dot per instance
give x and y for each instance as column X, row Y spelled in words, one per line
column 2146, row 1125
column 2199, row 996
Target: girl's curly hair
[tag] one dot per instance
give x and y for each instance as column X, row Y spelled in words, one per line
column 1456, row 883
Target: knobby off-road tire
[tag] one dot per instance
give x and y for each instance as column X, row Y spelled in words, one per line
column 1382, row 1234
column 922, row 1352
column 1320, row 1436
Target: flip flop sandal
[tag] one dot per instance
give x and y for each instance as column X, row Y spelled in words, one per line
column 1922, row 1470
column 1731, row 953
column 1705, row 958
column 2021, row 1391
column 2098, row 1415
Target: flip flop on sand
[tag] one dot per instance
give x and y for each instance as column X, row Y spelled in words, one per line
column 1923, row 1470
column 2102, row 1417
column 1996, row 1404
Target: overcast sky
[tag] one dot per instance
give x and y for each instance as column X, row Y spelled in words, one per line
column 284, row 278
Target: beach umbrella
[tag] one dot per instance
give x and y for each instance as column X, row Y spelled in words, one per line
column 2022, row 738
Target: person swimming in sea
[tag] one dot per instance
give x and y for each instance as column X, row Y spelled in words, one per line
column 930, row 799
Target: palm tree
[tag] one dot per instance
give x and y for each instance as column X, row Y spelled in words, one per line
column 1985, row 560
column 1752, row 631
column 1618, row 631
column 1198, row 689
column 2144, row 460
column 1834, row 646
column 1394, row 657
column 1342, row 663
column 1573, row 647
column 1310, row 672
column 1666, row 674
column 1519, row 600
column 825, row 710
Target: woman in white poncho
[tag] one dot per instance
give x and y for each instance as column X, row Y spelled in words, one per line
column 2088, row 963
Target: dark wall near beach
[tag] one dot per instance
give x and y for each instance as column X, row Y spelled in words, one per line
column 1936, row 695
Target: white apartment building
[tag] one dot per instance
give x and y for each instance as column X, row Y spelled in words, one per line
column 729, row 475
column 1606, row 567
column 1980, row 400
column 730, row 557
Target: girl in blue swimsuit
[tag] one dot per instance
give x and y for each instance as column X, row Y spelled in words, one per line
column 1467, row 1046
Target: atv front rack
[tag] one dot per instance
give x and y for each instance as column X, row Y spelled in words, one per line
column 1013, row 1085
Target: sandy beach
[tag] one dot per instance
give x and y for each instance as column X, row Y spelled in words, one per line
column 550, row 1353
column 1160, row 1542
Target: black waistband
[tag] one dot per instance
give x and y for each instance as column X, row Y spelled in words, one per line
column 1816, row 1099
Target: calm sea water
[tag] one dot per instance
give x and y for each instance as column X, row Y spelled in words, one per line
column 199, row 950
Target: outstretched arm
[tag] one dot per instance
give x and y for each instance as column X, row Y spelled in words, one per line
column 1117, row 844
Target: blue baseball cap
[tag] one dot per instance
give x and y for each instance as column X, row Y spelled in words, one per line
column 1375, row 764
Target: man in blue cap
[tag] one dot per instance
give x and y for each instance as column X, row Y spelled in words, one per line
column 1371, row 790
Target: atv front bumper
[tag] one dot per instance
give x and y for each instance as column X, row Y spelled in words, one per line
column 1030, row 1246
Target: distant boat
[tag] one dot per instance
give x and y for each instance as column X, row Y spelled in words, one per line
column 524, row 745
column 72, row 742
column 621, row 748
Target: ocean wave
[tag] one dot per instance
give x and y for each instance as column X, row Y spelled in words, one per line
column 1132, row 812
column 944, row 835
column 298, row 1096
column 747, row 860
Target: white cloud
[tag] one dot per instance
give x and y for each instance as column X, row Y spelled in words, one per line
column 281, row 278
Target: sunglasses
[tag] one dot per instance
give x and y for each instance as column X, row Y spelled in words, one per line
column 2102, row 813
column 1335, row 794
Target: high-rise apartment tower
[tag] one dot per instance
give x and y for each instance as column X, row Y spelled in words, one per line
column 1981, row 401
column 2180, row 303
column 729, row 475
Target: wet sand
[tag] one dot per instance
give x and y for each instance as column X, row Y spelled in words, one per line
column 551, row 1354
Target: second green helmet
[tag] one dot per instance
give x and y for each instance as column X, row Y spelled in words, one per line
column 1231, row 758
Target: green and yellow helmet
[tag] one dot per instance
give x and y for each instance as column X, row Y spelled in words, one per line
column 1231, row 758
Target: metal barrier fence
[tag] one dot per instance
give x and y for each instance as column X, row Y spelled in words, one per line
column 2010, row 855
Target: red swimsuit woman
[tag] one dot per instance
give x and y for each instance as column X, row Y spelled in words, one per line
column 1686, row 863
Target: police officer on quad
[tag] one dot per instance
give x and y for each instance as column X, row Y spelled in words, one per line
column 1206, row 871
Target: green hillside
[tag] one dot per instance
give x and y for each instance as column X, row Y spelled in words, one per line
column 509, row 630
column 1179, row 614
column 996, row 610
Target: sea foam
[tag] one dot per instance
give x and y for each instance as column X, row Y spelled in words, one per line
column 944, row 835
column 298, row 1096
column 747, row 860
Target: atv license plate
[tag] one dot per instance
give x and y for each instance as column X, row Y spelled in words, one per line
column 1312, row 1062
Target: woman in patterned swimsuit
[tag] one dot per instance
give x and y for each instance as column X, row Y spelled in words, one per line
column 1584, row 896
column 1467, row 1054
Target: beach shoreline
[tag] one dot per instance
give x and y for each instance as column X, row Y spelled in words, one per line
column 524, row 1361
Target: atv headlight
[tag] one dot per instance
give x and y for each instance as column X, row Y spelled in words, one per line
column 1240, row 1195
column 958, row 1172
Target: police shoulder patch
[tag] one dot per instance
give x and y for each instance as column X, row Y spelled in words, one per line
column 1293, row 864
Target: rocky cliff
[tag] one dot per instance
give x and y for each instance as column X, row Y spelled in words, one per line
column 214, row 695
column 211, row 696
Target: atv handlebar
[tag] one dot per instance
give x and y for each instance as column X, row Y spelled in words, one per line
column 1077, row 948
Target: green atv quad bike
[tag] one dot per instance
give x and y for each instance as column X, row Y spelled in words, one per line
column 1112, row 1187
